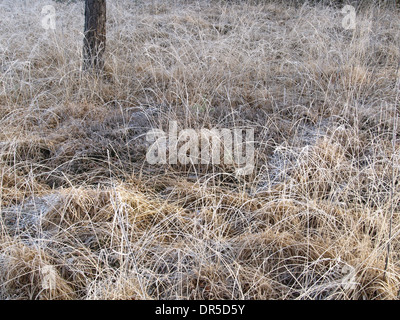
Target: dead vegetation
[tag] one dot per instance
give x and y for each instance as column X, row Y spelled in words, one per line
column 83, row 216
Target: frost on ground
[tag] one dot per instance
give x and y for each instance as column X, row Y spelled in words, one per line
column 27, row 217
column 83, row 215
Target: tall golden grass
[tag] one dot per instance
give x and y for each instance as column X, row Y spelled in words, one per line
column 83, row 216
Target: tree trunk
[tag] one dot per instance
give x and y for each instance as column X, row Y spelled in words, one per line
column 95, row 34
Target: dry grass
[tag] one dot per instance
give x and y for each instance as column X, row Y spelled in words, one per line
column 83, row 216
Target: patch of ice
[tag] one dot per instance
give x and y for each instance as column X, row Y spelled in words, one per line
column 25, row 218
column 285, row 157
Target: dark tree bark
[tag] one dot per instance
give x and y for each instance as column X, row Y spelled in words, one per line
column 95, row 34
